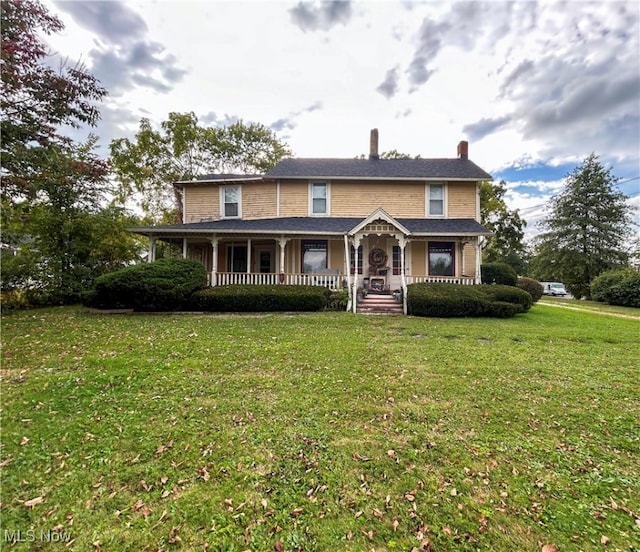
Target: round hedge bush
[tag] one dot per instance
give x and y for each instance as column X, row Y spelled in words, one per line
column 532, row 287
column 498, row 273
column 163, row 285
column 617, row 287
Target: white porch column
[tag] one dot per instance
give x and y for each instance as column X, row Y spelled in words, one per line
column 347, row 271
column 151, row 255
column 249, row 256
column 282, row 242
column 402, row 242
column 480, row 241
column 184, row 248
column 214, row 261
column 356, row 244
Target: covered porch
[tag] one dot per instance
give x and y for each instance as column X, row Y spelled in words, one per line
column 378, row 254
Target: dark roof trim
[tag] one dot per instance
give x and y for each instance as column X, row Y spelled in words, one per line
column 217, row 178
column 327, row 226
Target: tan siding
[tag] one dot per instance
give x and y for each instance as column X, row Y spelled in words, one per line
column 360, row 198
column 201, row 203
column 336, row 255
column 294, row 198
column 258, row 201
column 418, row 258
column 469, row 268
column 461, row 198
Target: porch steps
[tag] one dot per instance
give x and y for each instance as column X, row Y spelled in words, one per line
column 379, row 304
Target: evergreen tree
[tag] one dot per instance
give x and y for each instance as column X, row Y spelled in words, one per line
column 588, row 230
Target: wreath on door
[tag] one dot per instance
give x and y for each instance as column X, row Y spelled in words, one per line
column 378, row 258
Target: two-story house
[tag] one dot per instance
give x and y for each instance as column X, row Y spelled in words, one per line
column 357, row 223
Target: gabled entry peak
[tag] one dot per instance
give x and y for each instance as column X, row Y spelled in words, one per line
column 381, row 218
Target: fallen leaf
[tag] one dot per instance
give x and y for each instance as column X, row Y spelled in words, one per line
column 296, row 512
column 349, row 535
column 173, row 535
column 137, row 505
column 377, row 513
column 277, row 545
column 604, row 540
column 395, row 525
column 160, row 520
column 549, row 548
column 24, row 441
column 34, row 501
column 358, row 456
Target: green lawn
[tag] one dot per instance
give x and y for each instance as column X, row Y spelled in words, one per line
column 328, row 432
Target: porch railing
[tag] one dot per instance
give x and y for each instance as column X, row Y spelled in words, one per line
column 462, row 280
column 332, row 281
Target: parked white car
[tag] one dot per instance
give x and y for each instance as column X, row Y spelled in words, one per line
column 553, row 288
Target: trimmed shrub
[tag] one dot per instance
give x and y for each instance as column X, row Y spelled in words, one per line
column 508, row 294
column 532, row 287
column 617, row 287
column 163, row 285
column 502, row 309
column 453, row 300
column 498, row 273
column 239, row 298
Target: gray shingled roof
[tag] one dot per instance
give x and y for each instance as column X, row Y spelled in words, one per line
column 320, row 225
column 378, row 168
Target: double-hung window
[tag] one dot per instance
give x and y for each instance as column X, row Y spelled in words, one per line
column 319, row 198
column 231, row 201
column 436, row 199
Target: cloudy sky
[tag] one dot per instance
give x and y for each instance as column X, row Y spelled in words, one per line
column 535, row 87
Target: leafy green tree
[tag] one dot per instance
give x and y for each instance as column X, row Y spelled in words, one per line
column 52, row 187
column 147, row 166
column 68, row 239
column 506, row 245
column 588, row 229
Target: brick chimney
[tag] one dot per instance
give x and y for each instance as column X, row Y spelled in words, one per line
column 373, row 144
column 463, row 150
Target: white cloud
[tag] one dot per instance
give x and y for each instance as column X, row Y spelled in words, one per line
column 527, row 83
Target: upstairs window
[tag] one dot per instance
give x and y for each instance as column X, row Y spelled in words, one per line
column 319, row 197
column 230, row 201
column 436, row 199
